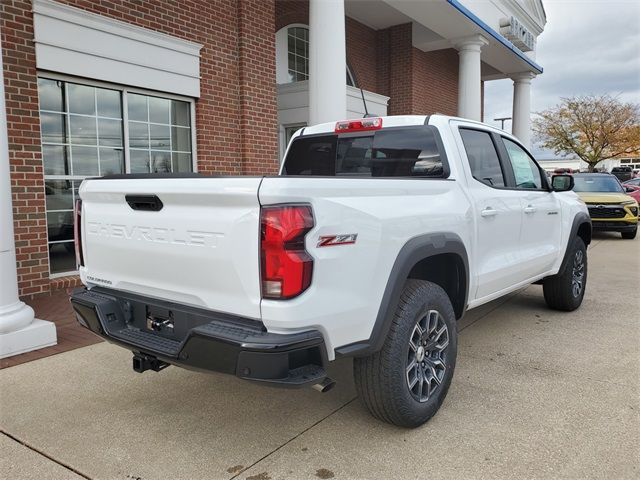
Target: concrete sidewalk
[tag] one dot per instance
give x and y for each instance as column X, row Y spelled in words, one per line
column 537, row 394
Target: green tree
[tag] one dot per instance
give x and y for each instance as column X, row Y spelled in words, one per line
column 594, row 128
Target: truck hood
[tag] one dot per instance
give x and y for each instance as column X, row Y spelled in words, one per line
column 603, row 197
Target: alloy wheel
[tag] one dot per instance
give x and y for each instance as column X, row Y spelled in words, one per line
column 425, row 358
column 577, row 276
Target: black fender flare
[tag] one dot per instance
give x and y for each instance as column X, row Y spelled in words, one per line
column 580, row 219
column 412, row 252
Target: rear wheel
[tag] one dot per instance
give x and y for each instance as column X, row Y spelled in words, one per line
column 407, row 380
column 565, row 290
column 630, row 235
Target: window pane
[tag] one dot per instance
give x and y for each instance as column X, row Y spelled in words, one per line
column 300, row 48
column 292, row 63
column 182, row 162
column 50, row 95
column 137, row 107
column 111, row 161
column 398, row 152
column 109, row 104
column 59, row 194
column 160, row 162
column 159, row 110
column 82, row 130
column 81, row 99
column 524, row 169
column 160, row 137
column 53, row 127
column 483, row 158
column 138, row 135
column 110, row 132
column 84, row 160
column 181, row 139
column 60, row 225
column 180, row 113
column 139, row 161
column 55, row 160
column 62, row 257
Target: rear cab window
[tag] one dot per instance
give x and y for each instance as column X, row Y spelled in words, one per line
column 405, row 152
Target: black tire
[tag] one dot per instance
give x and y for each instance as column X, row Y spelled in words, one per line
column 565, row 290
column 629, row 235
column 382, row 379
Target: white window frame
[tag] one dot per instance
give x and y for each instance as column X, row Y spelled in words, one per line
column 126, row 89
column 125, row 140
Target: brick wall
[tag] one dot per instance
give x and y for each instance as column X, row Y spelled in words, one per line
column 362, row 55
column 400, row 63
column 236, row 111
column 23, row 125
column 417, row 82
column 291, row 11
column 435, row 82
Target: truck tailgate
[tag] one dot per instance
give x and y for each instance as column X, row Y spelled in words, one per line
column 201, row 248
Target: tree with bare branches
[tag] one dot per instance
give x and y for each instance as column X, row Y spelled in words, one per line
column 594, row 128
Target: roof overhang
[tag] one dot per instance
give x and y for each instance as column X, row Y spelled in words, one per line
column 439, row 24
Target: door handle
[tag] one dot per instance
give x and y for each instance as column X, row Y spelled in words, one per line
column 530, row 209
column 489, row 212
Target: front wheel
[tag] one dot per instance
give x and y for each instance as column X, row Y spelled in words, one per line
column 407, row 380
column 629, row 235
column 565, row 290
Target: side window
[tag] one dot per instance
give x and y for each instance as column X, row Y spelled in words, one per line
column 483, row 157
column 526, row 172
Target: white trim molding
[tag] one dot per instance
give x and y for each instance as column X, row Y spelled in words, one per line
column 72, row 41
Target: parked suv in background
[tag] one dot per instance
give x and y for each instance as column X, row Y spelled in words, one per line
column 622, row 173
column 610, row 208
column 376, row 237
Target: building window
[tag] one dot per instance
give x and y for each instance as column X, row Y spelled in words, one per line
column 292, row 55
column 159, row 134
column 82, row 128
column 298, row 53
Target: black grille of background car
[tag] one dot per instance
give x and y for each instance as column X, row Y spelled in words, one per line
column 607, row 212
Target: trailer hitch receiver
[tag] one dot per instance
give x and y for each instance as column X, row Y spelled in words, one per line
column 142, row 363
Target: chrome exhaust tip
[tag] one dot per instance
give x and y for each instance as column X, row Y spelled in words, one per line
column 325, row 385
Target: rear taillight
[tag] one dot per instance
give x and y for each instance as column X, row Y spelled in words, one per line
column 77, row 233
column 286, row 266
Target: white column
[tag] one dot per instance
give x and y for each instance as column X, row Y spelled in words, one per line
column 522, row 107
column 327, row 61
column 19, row 332
column 469, row 77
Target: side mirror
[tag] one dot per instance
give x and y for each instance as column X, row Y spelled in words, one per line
column 562, row 183
column 629, row 189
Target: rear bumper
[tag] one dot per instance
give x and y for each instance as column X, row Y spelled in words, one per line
column 203, row 340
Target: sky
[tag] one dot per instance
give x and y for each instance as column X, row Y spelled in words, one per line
column 587, row 47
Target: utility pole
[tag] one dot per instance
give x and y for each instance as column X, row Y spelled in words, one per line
column 501, row 120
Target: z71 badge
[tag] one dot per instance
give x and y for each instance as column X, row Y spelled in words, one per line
column 333, row 240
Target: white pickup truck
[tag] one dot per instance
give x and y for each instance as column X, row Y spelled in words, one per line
column 376, row 237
